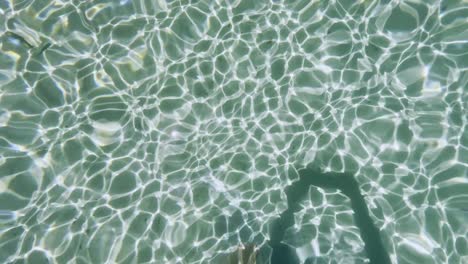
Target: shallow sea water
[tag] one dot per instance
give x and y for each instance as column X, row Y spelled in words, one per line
column 167, row 131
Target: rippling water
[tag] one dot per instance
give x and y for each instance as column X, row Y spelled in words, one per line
column 167, row 131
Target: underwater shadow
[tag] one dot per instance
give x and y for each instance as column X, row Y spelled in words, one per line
column 280, row 253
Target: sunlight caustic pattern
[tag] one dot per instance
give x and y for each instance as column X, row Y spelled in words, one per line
column 166, row 131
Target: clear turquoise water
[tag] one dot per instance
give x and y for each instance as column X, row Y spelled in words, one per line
column 167, row 131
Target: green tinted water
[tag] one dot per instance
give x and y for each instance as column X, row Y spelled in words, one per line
column 168, row 131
